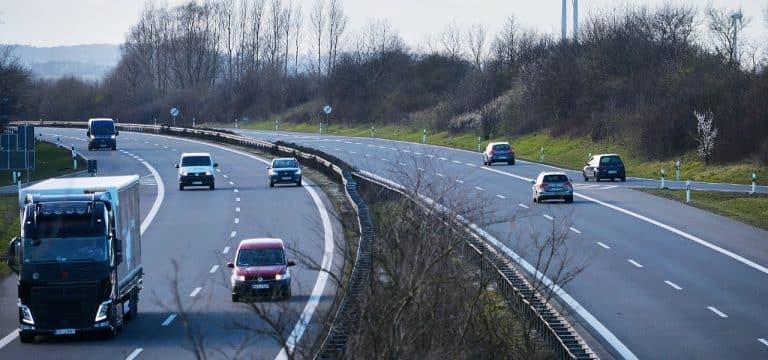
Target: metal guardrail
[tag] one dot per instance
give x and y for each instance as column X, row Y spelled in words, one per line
column 549, row 324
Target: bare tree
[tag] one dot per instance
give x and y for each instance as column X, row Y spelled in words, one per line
column 726, row 28
column 705, row 134
column 298, row 26
column 317, row 18
column 378, row 37
column 337, row 25
column 476, row 38
column 450, row 40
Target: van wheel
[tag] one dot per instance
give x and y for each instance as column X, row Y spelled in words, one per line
column 181, row 187
column 27, row 338
column 298, row 183
column 586, row 179
column 235, row 298
column 271, row 184
column 212, row 186
column 623, row 178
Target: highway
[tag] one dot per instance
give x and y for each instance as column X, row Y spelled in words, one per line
column 187, row 239
column 662, row 280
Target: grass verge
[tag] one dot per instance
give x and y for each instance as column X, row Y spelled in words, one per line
column 9, row 219
column 51, row 161
column 747, row 208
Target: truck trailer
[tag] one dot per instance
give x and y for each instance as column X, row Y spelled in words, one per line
column 78, row 257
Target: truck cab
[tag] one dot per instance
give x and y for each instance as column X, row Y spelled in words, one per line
column 102, row 134
column 77, row 256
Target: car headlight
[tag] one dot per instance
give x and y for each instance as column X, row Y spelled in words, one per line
column 103, row 311
column 184, row 173
column 92, row 137
column 270, row 172
column 298, row 172
column 26, row 314
column 112, row 137
column 285, row 276
column 208, row 173
column 238, row 277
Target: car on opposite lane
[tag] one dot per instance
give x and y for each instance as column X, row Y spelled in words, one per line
column 260, row 269
column 604, row 166
column 284, row 171
column 551, row 185
column 498, row 152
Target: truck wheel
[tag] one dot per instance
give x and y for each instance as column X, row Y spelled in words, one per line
column 27, row 338
column 235, row 298
column 181, row 187
column 133, row 310
column 212, row 186
column 271, row 184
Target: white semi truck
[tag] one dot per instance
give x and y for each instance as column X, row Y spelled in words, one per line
column 78, row 256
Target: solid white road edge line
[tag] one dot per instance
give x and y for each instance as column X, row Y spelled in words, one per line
column 718, row 312
column 134, row 354
column 9, row 338
column 322, row 278
column 606, row 334
column 169, row 320
column 669, row 228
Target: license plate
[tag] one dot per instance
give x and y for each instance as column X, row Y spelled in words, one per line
column 555, row 189
column 64, row 332
column 287, row 178
column 260, row 286
column 197, row 183
column 611, row 171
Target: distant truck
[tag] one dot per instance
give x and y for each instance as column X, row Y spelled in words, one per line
column 102, row 133
column 78, row 256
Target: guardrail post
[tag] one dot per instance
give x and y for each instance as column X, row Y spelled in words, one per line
column 479, row 139
column 277, row 125
column 371, row 131
column 688, row 191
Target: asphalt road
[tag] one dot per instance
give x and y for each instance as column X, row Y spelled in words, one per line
column 660, row 280
column 185, row 250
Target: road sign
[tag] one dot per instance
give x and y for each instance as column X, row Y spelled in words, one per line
column 327, row 109
column 174, row 112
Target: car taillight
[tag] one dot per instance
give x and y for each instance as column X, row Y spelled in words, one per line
column 567, row 184
column 543, row 185
column 493, row 152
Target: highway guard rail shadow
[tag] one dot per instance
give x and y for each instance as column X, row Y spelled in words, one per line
column 549, row 324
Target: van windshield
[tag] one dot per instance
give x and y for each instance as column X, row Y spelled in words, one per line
column 196, row 161
column 102, row 128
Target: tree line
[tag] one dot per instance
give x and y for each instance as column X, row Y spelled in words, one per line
column 636, row 77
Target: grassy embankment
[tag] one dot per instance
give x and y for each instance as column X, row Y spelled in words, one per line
column 51, row 161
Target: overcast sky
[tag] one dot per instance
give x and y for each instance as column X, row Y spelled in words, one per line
column 73, row 22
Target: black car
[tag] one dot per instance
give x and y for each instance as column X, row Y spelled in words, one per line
column 284, row 171
column 604, row 166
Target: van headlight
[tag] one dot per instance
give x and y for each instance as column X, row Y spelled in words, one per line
column 112, row 137
column 298, row 172
column 103, row 311
column 26, row 314
column 285, row 276
column 183, row 173
column 238, row 277
column 208, row 173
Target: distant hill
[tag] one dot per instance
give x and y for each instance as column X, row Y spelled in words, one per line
column 89, row 62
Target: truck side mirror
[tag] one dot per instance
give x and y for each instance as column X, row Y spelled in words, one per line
column 118, row 251
column 215, row 164
column 12, row 257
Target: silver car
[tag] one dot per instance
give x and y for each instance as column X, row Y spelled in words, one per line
column 552, row 185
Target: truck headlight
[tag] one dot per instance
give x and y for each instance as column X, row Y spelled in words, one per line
column 26, row 314
column 103, row 311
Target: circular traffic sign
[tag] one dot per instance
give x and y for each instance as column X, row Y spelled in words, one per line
column 327, row 109
column 174, row 112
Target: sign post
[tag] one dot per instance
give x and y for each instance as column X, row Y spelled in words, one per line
column 754, row 182
column 662, row 178
column 677, row 170
column 174, row 113
column 327, row 109
column 688, row 191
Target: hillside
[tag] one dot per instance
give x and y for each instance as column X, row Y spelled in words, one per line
column 89, row 62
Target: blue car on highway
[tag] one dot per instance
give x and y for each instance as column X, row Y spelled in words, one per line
column 284, row 171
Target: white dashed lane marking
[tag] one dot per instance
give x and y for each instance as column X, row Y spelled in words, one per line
column 501, row 196
column 226, row 250
column 169, row 320
column 479, row 188
column 237, row 199
column 635, row 263
column 522, row 206
column 439, row 174
column 472, row 165
column 195, row 292
column 134, row 354
column 603, row 245
column 763, row 341
column 718, row 312
column 214, row 268
column 237, row 209
column 232, row 234
column 548, row 217
column 459, row 181
column 673, row 285
column 442, row 158
column 237, row 220
column 575, row 230
column 457, row 162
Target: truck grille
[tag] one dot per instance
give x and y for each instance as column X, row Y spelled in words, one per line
column 64, row 306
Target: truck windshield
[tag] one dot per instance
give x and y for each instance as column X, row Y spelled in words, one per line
column 65, row 249
column 102, row 129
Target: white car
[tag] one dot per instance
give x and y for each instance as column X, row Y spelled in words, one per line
column 196, row 169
